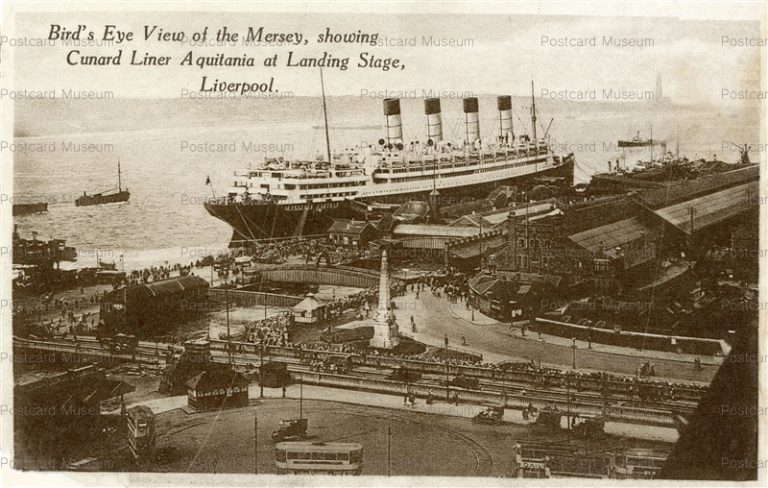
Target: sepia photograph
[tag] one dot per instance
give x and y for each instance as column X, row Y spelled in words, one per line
column 382, row 244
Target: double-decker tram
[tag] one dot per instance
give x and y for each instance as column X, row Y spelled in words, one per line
column 140, row 431
column 640, row 464
column 334, row 458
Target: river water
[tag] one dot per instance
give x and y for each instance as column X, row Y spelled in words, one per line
column 167, row 149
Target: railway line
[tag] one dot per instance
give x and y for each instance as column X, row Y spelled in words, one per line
column 514, row 393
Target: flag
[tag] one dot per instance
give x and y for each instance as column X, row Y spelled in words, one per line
column 207, row 180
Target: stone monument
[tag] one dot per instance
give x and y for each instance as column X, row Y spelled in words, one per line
column 385, row 335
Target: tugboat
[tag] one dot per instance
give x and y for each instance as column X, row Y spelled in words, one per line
column 638, row 141
column 105, row 197
column 29, row 208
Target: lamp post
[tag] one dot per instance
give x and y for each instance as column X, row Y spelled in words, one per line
column 573, row 346
column 256, row 444
column 261, row 369
column 389, row 450
column 568, row 403
column 447, row 386
column 229, row 336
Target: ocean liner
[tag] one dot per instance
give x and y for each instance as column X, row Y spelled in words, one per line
column 283, row 198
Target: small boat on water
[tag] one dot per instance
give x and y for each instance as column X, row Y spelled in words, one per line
column 637, row 141
column 108, row 196
column 29, row 208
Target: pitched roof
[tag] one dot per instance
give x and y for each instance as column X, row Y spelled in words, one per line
column 713, row 208
column 170, row 286
column 681, row 190
column 529, row 277
column 482, row 283
column 434, row 230
column 217, row 377
column 612, row 235
column 471, row 249
column 309, row 303
column 343, row 226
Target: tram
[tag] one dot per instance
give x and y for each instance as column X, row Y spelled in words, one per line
column 331, row 458
column 140, row 431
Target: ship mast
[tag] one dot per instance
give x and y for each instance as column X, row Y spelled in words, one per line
column 119, row 185
column 651, row 143
column 325, row 116
column 533, row 121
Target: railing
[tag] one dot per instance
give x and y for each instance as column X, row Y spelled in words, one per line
column 245, row 298
column 691, row 345
column 517, row 402
column 540, row 378
column 623, row 413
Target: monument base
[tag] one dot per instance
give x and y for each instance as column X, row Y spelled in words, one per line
column 384, row 342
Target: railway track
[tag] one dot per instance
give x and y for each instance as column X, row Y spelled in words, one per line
column 521, row 390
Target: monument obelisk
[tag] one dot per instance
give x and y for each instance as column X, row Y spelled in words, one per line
column 385, row 334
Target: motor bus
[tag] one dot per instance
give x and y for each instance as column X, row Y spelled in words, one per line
column 331, row 458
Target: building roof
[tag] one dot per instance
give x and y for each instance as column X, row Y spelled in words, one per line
column 471, row 220
column 491, row 218
column 217, row 377
column 87, row 385
column 352, row 227
column 472, row 249
column 711, row 209
column 434, row 230
column 411, row 211
column 681, row 190
column 482, row 283
column 158, row 288
column 611, row 236
column 309, row 303
column 521, row 277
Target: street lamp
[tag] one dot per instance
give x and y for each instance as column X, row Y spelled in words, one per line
column 261, row 369
column 573, row 346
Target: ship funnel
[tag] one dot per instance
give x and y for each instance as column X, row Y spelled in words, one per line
column 394, row 123
column 506, row 131
column 434, row 120
column 472, row 120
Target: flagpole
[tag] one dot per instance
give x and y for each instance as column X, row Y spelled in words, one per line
column 208, row 182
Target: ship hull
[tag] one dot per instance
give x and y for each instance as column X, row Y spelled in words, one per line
column 251, row 221
column 88, row 200
column 29, row 208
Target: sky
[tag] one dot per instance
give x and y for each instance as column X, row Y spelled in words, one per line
column 493, row 53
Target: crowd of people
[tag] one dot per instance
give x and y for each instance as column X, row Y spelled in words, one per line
column 605, row 383
column 48, row 303
column 270, row 331
column 278, row 252
column 450, row 282
column 155, row 273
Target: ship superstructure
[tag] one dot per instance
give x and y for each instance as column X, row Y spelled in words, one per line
column 281, row 197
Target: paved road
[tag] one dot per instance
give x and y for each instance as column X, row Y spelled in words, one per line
column 431, row 440
column 436, row 317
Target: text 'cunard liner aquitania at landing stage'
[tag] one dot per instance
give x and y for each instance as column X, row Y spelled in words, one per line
column 290, row 198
